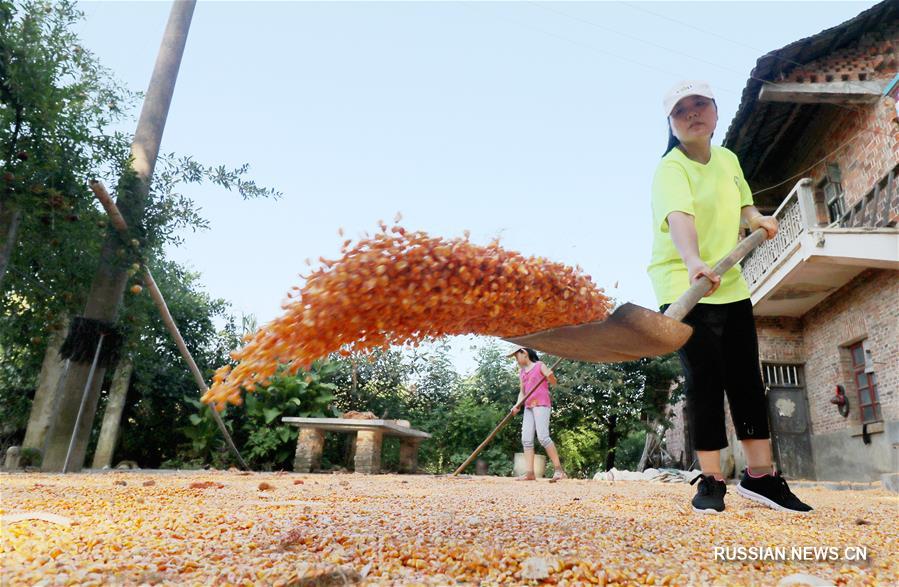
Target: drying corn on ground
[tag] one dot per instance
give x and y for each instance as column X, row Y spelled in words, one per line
column 401, row 287
column 228, row 528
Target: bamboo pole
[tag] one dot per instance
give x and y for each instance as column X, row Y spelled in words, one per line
column 119, row 223
column 503, row 422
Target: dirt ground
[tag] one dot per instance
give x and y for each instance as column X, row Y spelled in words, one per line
column 137, row 527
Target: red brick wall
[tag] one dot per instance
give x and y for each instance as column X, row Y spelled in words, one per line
column 872, row 56
column 780, row 339
column 865, row 308
column 864, row 141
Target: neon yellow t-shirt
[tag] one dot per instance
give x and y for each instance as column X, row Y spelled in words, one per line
column 713, row 194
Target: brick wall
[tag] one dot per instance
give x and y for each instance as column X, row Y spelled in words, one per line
column 864, row 143
column 781, row 339
column 872, row 56
column 864, row 140
column 865, row 308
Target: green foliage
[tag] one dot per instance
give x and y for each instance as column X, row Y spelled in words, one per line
column 58, row 110
column 308, row 394
column 155, row 403
column 30, row 457
column 203, row 433
column 580, row 449
column 15, row 404
column 266, row 443
column 627, row 457
column 57, row 105
column 374, row 382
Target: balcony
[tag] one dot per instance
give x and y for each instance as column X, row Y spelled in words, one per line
column 811, row 257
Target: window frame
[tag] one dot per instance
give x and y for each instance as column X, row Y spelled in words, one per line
column 858, row 369
column 834, row 203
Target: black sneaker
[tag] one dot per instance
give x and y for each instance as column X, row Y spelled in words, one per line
column 771, row 490
column 709, row 498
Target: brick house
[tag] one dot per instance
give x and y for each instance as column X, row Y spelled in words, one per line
column 817, row 134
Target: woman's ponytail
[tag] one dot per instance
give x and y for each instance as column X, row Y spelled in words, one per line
column 672, row 141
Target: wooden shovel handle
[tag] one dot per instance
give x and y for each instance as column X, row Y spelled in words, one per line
column 701, row 286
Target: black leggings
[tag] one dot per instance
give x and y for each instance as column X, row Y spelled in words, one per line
column 722, row 356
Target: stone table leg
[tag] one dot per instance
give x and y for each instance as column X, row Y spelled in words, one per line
column 309, row 450
column 409, row 454
column 368, row 451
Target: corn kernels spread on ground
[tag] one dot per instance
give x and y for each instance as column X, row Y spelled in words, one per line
column 417, row 530
column 401, row 287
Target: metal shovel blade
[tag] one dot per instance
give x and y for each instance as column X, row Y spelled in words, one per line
column 630, row 332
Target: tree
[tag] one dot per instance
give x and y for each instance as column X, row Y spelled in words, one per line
column 374, row 382
column 155, row 405
column 78, row 392
column 57, row 104
column 616, row 398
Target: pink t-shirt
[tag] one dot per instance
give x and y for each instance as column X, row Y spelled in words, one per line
column 529, row 379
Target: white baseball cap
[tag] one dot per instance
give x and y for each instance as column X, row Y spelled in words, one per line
column 683, row 89
column 512, row 349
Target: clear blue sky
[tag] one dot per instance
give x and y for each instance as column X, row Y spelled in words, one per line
column 539, row 122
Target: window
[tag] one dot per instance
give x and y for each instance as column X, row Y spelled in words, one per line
column 866, row 383
column 782, row 375
column 833, row 193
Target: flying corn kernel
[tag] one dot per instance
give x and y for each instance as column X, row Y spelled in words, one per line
column 402, row 287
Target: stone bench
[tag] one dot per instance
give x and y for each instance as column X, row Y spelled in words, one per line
column 369, row 435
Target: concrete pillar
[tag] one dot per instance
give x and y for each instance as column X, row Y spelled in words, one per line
column 368, row 451
column 12, row 458
column 351, row 452
column 813, row 215
column 44, row 404
column 309, row 450
column 409, row 454
column 112, row 417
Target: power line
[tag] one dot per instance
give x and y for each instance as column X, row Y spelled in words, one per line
column 773, row 55
column 593, row 48
column 675, row 51
column 813, row 165
column 666, row 72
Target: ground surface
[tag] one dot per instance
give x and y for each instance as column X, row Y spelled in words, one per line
column 416, row 530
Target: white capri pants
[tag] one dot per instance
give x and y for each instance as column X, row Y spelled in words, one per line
column 536, row 419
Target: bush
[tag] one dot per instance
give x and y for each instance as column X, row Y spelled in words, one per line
column 271, row 443
column 580, row 450
column 629, row 451
column 30, row 457
column 266, row 443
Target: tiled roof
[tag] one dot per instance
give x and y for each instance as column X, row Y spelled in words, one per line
column 757, row 124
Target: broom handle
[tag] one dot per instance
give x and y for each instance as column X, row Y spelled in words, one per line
column 701, row 286
column 503, row 422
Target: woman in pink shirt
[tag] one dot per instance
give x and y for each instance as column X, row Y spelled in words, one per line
column 537, row 408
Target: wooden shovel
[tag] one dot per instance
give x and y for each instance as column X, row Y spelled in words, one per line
column 631, row 331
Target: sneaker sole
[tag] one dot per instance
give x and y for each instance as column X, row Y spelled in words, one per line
column 765, row 501
column 706, row 511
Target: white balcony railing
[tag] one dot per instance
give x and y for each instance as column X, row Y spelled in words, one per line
column 795, row 215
